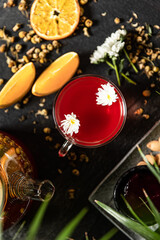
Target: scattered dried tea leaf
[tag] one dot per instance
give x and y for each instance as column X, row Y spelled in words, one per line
column 146, row 93
column 139, row 111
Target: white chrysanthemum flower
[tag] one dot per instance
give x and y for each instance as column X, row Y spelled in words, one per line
column 98, row 55
column 70, row 124
column 112, row 46
column 106, row 95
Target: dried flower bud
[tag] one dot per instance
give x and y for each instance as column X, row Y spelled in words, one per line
column 49, row 138
column 117, row 20
column 37, row 50
column 155, row 69
column 88, row 23
column 14, row 69
column 17, row 106
column 43, row 46
column 26, row 100
column 16, row 27
column 2, row 48
column 81, row 11
column 11, row 39
column 85, row 31
column 26, row 59
column 2, row 33
column 56, row 44
column 42, row 60
column 147, row 68
column 149, row 51
column 45, row 51
column 35, row 55
column 83, row 2
column 139, row 111
column 50, row 47
column 22, row 34
column 35, row 39
column 146, row 93
column 42, row 54
column 1, row 81
column 46, row 130
column 31, row 32
column 18, row 47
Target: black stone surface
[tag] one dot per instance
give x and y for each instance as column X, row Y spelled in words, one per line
column 102, row 160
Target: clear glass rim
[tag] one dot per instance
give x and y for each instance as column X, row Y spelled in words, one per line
column 124, row 112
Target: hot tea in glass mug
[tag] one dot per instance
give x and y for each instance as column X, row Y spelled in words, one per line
column 17, row 184
column 89, row 111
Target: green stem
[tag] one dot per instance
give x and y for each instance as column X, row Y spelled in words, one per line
column 122, row 74
column 110, row 64
column 128, row 79
column 116, row 70
column 133, row 66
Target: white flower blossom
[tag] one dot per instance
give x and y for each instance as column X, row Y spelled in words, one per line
column 106, row 95
column 70, row 124
column 111, row 47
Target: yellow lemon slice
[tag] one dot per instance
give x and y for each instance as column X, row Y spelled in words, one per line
column 18, row 85
column 54, row 19
column 56, row 75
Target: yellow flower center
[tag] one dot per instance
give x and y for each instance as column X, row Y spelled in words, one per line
column 72, row 121
column 109, row 97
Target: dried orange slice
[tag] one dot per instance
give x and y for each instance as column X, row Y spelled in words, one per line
column 54, row 19
column 18, row 85
column 56, row 75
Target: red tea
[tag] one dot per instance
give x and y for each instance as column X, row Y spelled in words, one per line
column 98, row 124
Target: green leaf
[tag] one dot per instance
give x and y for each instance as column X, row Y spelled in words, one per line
column 128, row 79
column 133, row 213
column 153, row 208
column 36, row 222
column 158, row 92
column 127, row 56
column 19, row 230
column 146, row 205
column 109, row 234
column 145, row 232
column 70, row 227
column 150, row 166
column 86, row 236
column 121, row 65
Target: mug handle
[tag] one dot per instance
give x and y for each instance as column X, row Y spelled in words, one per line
column 64, row 149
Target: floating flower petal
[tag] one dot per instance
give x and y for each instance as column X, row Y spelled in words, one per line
column 71, row 124
column 106, row 95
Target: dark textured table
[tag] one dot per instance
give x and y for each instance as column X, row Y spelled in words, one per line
column 62, row 209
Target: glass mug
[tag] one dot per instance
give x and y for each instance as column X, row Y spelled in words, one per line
column 17, row 184
column 99, row 124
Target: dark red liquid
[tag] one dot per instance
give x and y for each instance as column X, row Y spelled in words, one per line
column 131, row 186
column 134, row 193
column 98, row 124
